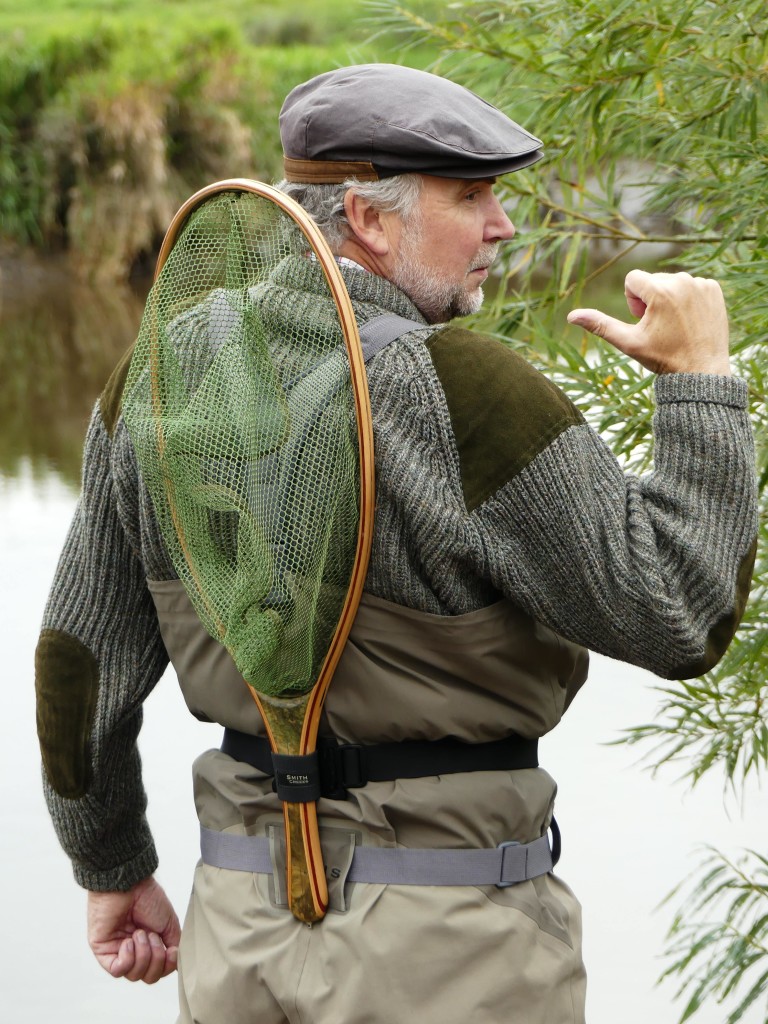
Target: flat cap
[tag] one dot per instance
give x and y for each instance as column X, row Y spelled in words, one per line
column 373, row 121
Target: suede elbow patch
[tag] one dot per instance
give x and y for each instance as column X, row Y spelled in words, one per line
column 66, row 687
column 724, row 630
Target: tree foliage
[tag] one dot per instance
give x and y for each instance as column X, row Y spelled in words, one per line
column 726, row 956
column 653, row 117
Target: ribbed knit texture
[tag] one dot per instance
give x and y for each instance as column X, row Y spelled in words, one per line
column 637, row 568
column 99, row 596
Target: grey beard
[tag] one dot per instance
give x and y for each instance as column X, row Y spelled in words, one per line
column 438, row 298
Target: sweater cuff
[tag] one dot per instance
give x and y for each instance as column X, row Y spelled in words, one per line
column 701, row 387
column 120, row 878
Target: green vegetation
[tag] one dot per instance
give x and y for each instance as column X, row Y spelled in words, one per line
column 653, row 117
column 262, row 22
column 112, row 113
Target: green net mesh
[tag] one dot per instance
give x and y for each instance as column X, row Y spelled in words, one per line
column 240, row 407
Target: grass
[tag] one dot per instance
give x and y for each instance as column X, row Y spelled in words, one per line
column 320, row 22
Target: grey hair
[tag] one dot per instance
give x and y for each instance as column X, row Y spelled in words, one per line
column 325, row 203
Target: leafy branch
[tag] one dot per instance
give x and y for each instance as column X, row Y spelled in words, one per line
column 721, row 959
column 672, row 96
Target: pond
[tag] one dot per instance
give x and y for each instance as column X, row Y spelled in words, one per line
column 627, row 838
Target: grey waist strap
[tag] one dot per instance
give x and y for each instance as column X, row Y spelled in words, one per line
column 508, row 864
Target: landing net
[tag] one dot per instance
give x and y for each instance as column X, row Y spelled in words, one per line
column 241, row 409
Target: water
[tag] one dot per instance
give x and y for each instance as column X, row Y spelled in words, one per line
column 627, row 838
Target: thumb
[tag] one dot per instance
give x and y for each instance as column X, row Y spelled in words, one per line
column 614, row 331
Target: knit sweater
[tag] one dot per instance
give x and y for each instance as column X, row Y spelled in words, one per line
column 489, row 484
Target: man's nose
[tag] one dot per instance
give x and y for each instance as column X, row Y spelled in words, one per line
column 499, row 227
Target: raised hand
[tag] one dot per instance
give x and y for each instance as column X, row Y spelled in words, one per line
column 682, row 326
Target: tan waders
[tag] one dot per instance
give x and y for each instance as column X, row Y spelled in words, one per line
column 437, row 954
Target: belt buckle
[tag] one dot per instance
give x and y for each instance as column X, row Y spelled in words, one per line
column 503, row 846
column 341, row 767
column 352, row 765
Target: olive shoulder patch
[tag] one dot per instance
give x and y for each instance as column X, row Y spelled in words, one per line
column 503, row 411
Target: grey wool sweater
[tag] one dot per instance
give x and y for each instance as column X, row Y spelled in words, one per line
column 489, row 484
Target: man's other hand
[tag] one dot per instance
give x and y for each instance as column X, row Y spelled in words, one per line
column 134, row 934
column 682, row 325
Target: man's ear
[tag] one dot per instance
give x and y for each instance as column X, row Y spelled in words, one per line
column 369, row 227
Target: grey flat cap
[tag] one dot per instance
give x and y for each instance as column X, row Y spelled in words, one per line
column 376, row 120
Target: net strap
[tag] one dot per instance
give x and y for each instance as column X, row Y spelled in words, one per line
column 383, row 329
column 341, row 766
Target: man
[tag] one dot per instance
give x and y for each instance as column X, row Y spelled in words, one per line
column 507, row 541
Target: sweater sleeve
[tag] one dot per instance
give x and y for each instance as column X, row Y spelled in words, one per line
column 653, row 570
column 490, row 482
column 98, row 657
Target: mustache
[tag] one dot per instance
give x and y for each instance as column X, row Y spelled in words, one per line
column 486, row 255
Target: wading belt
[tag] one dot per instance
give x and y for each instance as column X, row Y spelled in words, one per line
column 507, row 864
column 343, row 766
column 338, row 767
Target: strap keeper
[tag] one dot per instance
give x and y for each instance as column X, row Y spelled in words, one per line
column 297, row 777
column 504, row 847
column 557, row 845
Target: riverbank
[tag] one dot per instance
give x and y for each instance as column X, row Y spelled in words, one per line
column 112, row 114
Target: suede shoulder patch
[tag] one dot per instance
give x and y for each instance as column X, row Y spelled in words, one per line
column 66, row 686
column 110, row 401
column 503, row 411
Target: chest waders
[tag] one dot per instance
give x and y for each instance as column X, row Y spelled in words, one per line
column 402, row 672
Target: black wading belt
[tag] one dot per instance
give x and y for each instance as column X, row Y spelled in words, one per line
column 346, row 766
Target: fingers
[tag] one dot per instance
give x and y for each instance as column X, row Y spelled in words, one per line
column 639, row 287
column 637, row 305
column 638, row 283
column 144, row 957
column 608, row 328
column 134, row 934
column 171, row 934
column 642, row 284
column 682, row 325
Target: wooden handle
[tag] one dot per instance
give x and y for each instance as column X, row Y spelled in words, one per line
column 305, row 872
column 285, row 719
